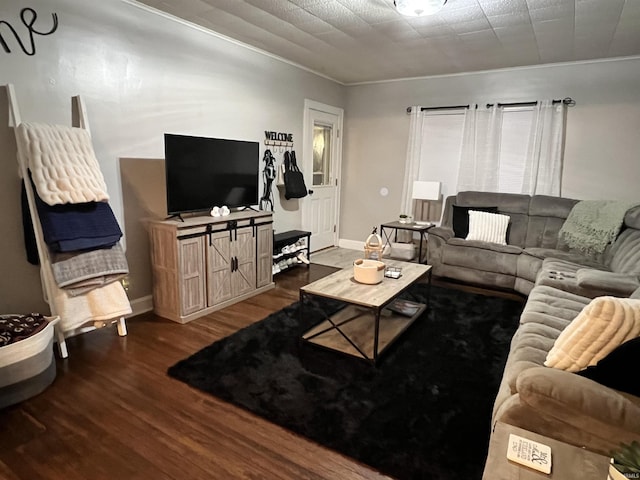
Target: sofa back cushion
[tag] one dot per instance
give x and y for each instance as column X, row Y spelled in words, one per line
column 546, row 216
column 624, row 254
column 632, row 218
column 514, row 205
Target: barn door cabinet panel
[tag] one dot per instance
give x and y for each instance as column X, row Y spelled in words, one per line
column 203, row 264
column 232, row 264
column 264, row 238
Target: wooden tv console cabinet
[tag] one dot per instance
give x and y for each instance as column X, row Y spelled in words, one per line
column 203, row 264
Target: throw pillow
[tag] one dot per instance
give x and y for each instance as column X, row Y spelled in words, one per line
column 488, row 227
column 460, row 219
column 601, row 326
column 613, row 371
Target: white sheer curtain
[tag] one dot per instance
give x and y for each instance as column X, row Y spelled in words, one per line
column 480, row 154
column 412, row 164
column 483, row 165
column 543, row 162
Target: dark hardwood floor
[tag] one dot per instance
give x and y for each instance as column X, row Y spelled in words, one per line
column 113, row 413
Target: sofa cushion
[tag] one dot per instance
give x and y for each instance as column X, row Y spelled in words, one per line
column 559, row 307
column 632, row 218
column 546, row 217
column 554, row 253
column 461, row 218
column 489, row 257
column 600, row 417
column 562, row 275
column 488, row 227
column 543, row 232
column 624, row 254
column 549, row 206
column 610, row 283
column 598, row 329
column 530, row 262
column 528, row 267
column 529, row 348
column 613, row 370
column 506, row 202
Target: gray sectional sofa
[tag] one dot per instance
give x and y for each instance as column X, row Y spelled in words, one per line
column 559, row 283
column 533, row 246
column 556, row 403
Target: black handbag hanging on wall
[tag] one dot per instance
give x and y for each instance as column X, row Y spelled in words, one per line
column 294, row 186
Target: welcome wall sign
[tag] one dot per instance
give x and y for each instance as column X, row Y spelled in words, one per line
column 278, row 136
column 28, row 17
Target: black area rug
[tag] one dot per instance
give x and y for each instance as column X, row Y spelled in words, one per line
column 423, row 413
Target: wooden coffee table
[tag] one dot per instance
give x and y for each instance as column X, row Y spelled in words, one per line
column 373, row 316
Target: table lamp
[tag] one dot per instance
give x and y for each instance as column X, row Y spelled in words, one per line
column 428, row 192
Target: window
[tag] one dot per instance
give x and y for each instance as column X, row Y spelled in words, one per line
column 440, row 148
column 508, row 149
column 514, row 139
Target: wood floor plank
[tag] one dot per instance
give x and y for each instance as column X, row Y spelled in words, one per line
column 113, row 412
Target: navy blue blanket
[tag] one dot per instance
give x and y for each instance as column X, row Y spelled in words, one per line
column 78, row 226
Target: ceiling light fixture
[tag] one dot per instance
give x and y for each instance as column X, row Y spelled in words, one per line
column 418, row 8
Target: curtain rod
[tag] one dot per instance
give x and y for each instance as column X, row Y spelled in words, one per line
column 450, row 107
column 570, row 102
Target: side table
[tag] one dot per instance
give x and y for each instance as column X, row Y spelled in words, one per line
column 567, row 462
column 391, row 228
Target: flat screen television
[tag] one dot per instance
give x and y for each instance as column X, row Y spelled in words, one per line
column 202, row 173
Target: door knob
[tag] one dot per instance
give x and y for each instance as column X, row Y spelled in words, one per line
column 310, row 192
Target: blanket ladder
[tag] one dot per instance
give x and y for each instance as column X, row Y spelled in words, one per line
column 49, row 287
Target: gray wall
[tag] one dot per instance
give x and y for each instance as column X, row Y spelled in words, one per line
column 140, row 75
column 602, row 154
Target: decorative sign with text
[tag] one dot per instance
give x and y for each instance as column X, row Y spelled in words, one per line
column 28, row 17
column 278, row 136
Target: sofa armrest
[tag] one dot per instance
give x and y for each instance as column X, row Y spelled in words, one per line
column 607, row 283
column 445, row 233
column 580, row 402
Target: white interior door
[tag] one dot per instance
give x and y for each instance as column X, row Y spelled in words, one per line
column 322, row 160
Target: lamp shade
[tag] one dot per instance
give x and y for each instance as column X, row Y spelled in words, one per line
column 426, row 190
column 417, row 8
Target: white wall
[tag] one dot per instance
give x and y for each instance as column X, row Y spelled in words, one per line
column 141, row 75
column 602, row 153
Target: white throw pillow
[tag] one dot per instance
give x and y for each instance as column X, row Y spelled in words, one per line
column 488, row 227
column 602, row 325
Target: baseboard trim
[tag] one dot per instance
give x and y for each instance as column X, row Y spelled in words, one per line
column 141, row 305
column 351, row 244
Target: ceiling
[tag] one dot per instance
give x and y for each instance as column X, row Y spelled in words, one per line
column 355, row 41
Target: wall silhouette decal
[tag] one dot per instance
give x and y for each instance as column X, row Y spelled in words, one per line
column 29, row 24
